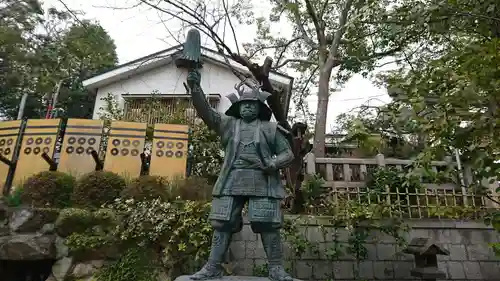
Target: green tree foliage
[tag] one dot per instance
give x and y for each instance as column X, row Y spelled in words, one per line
column 448, row 92
column 39, row 48
column 374, row 130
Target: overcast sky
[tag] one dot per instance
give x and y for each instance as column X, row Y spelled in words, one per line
column 140, row 31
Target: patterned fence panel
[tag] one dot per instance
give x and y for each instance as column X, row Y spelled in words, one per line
column 38, row 141
column 82, row 137
column 73, row 146
column 169, row 150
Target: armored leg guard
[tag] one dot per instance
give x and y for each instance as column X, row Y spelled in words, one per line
column 274, row 251
column 213, row 268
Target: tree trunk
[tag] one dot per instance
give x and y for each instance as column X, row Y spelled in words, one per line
column 321, row 112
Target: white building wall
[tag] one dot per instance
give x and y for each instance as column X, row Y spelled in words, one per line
column 168, row 80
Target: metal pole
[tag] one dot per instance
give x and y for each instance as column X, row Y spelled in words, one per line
column 22, row 105
column 54, row 99
column 461, row 176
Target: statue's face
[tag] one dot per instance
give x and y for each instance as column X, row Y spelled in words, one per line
column 249, row 110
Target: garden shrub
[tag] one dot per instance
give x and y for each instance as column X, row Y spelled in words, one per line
column 73, row 220
column 48, row 189
column 104, row 217
column 180, row 228
column 136, row 264
column 14, row 198
column 97, row 188
column 147, row 187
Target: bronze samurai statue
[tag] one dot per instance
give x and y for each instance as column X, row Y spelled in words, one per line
column 255, row 149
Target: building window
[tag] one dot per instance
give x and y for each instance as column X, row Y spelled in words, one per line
column 162, row 109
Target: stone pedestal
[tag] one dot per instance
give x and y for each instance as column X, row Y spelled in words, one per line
column 230, row 278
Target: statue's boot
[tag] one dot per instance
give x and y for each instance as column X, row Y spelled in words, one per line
column 274, row 251
column 213, row 268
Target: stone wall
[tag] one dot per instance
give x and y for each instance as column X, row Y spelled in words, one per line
column 470, row 256
column 30, row 235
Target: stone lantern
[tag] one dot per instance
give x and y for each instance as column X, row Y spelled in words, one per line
column 426, row 264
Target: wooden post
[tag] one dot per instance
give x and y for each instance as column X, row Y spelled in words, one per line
column 492, row 185
column 464, row 176
column 380, row 159
column 310, row 164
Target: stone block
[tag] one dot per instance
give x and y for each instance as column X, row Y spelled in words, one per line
column 343, row 252
column 452, row 236
column 340, row 234
column 245, row 234
column 419, row 232
column 323, row 249
column 31, row 220
column 472, row 270
column 27, row 247
column 61, row 249
column 440, row 236
column 402, row 269
column 371, row 252
column 237, row 250
column 229, row 278
column 303, row 270
column 380, row 237
column 386, row 252
column 365, row 270
column 302, row 230
column 254, row 250
column 383, row 270
column 455, row 270
column 329, row 234
column 288, row 251
column 322, row 270
column 61, row 268
column 242, row 267
column 490, row 270
column 343, row 270
column 401, row 256
column 82, row 270
column 4, row 230
column 475, row 236
column 480, row 252
column 314, row 234
column 457, row 252
column 310, row 253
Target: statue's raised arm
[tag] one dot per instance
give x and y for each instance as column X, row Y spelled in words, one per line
column 210, row 116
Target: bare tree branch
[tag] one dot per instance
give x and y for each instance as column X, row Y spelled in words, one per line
column 318, row 25
column 300, row 25
column 323, row 9
column 334, row 49
column 285, row 46
column 224, row 3
column 294, row 60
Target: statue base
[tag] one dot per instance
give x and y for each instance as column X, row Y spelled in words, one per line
column 230, row 278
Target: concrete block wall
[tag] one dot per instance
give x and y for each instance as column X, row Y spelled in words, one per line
column 470, row 257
